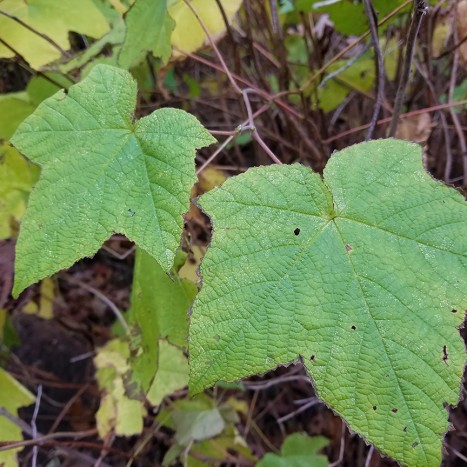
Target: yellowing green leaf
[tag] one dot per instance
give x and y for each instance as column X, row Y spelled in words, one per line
column 172, row 373
column 103, row 173
column 188, row 35
column 148, row 29
column 17, row 177
column 159, row 310
column 188, row 270
column 44, row 309
column 51, row 17
column 117, row 413
column 359, row 76
column 14, row 108
column 12, row 396
column 362, row 273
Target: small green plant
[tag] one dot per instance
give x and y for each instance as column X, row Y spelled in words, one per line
column 360, row 273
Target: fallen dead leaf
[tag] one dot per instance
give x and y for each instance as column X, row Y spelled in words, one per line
column 416, row 128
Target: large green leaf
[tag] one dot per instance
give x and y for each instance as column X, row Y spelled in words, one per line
column 159, row 310
column 51, row 17
column 148, row 28
column 362, row 273
column 103, row 173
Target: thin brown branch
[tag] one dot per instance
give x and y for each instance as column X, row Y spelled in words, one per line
column 454, row 116
column 419, row 11
column 379, row 65
column 388, row 120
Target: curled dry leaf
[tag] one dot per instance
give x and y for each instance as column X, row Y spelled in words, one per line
column 416, row 128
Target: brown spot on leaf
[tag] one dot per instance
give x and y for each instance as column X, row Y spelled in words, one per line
column 445, row 354
column 348, row 247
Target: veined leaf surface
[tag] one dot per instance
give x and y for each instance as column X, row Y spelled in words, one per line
column 362, row 273
column 103, row 173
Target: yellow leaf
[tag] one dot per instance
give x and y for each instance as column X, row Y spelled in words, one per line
column 441, row 35
column 117, row 413
column 17, row 176
column 51, row 17
column 12, row 396
column 188, row 270
column 188, row 34
column 210, row 178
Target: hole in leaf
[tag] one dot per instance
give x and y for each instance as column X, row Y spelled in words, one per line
column 404, row 429
column 394, row 410
column 296, row 231
column 312, row 358
column 348, row 248
column 374, row 407
column 354, row 327
column 453, row 310
column 415, row 444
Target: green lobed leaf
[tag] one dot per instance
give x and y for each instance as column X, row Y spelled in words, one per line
column 103, row 173
column 159, row 310
column 361, row 273
column 298, row 450
column 148, row 29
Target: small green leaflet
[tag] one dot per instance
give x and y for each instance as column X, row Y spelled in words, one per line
column 148, row 28
column 362, row 273
column 103, row 173
column 298, row 450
